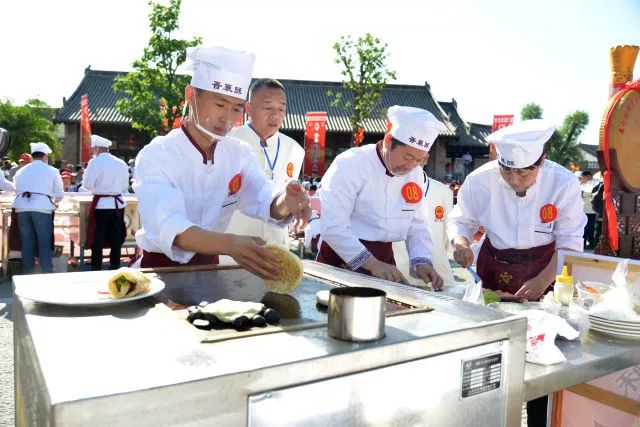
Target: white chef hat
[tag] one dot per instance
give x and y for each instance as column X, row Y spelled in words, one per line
column 40, row 147
column 98, row 141
column 413, row 126
column 521, row 145
column 221, row 70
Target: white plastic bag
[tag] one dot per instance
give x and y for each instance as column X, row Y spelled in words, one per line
column 542, row 328
column 575, row 315
column 620, row 301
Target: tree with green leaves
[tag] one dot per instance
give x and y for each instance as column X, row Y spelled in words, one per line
column 31, row 122
column 154, row 91
column 365, row 74
column 531, row 111
column 563, row 146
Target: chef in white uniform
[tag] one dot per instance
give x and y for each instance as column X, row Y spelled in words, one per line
column 439, row 200
column 190, row 181
column 530, row 208
column 279, row 156
column 373, row 195
column 38, row 189
column 107, row 177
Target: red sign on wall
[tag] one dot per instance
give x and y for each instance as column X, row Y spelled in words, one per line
column 501, row 120
column 314, row 143
column 85, row 130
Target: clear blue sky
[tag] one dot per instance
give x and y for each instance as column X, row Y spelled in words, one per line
column 491, row 56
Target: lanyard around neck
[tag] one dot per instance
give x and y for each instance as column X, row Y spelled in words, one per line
column 272, row 166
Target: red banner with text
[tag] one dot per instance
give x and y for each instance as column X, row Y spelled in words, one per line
column 501, row 120
column 85, row 130
column 314, row 143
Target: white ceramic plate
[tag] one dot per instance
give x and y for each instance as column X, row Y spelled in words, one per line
column 626, row 335
column 624, row 323
column 93, row 293
column 615, row 327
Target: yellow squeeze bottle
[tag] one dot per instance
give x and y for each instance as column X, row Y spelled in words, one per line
column 563, row 289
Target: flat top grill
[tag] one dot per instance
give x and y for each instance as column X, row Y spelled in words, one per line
column 297, row 310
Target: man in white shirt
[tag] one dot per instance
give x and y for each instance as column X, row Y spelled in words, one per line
column 279, row 156
column 586, row 186
column 373, row 195
column 190, row 181
column 530, row 208
column 467, row 161
column 107, row 177
column 38, row 187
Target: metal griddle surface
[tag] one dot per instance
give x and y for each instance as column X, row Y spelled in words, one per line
column 299, row 308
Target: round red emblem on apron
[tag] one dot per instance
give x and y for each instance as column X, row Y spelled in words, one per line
column 548, row 213
column 235, row 184
column 439, row 212
column 290, row 170
column 411, row 192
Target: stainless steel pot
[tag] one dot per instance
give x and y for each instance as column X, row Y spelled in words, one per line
column 357, row 314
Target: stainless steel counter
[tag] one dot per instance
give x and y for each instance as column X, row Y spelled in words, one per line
column 139, row 363
column 595, row 356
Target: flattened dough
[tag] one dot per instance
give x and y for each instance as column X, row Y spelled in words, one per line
column 292, row 271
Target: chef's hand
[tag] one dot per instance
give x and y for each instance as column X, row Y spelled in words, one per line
column 298, row 203
column 463, row 256
column 428, row 274
column 533, row 289
column 383, row 270
column 251, row 254
column 295, row 201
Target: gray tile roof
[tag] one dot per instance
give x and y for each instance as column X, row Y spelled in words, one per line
column 480, row 131
column 589, row 152
column 98, row 85
column 302, row 96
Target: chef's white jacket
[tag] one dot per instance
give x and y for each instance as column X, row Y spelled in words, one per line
column 439, row 200
column 312, row 231
column 6, row 185
column 37, row 177
column 107, row 174
column 281, row 164
column 551, row 210
column 178, row 188
column 360, row 200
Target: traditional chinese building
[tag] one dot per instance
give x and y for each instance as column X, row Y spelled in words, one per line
column 303, row 96
column 589, row 158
